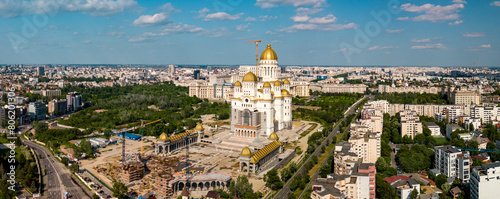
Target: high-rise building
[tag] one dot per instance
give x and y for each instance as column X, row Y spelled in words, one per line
column 465, row 97
column 57, row 107
column 171, row 69
column 485, row 181
column 452, row 162
column 410, row 124
column 37, row 110
column 196, row 74
column 74, row 101
column 41, row 71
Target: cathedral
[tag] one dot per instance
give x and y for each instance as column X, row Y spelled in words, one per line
column 261, row 104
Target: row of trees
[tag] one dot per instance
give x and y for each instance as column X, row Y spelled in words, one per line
column 26, row 171
column 412, row 98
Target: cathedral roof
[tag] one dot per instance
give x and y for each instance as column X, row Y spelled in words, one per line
column 285, row 93
column 268, row 54
column 163, row 137
column 199, row 127
column 277, row 83
column 286, row 81
column 267, row 85
column 246, row 152
column 250, row 77
column 264, row 151
column 273, row 136
column 237, row 83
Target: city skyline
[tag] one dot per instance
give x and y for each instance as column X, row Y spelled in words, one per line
column 314, row 32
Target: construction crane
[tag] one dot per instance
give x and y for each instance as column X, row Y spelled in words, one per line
column 256, row 55
column 142, row 132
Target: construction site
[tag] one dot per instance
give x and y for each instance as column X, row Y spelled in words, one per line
column 207, row 164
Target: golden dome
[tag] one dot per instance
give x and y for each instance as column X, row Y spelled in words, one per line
column 268, row 54
column 163, row 137
column 199, row 127
column 250, row 77
column 273, row 136
column 286, row 81
column 246, row 152
column 267, row 85
column 277, row 83
column 237, row 83
column 285, row 93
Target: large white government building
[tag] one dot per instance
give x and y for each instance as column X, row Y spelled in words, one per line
column 261, row 104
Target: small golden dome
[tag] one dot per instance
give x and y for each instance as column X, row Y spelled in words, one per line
column 199, row 127
column 286, row 81
column 285, row 93
column 273, row 136
column 246, row 152
column 277, row 83
column 267, row 85
column 237, row 83
column 268, row 54
column 163, row 137
column 250, row 77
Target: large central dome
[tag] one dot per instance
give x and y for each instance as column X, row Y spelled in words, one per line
column 268, row 54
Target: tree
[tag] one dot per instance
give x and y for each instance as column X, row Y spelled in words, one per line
column 74, row 167
column 95, row 196
column 384, row 190
column 414, row 194
column 473, row 144
column 296, row 182
column 381, row 165
column 445, row 187
column 420, row 138
column 65, row 161
column 477, row 162
column 243, row 188
column 440, row 180
column 119, row 190
column 494, row 156
column 272, row 180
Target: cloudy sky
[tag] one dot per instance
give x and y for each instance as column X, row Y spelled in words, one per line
column 303, row 32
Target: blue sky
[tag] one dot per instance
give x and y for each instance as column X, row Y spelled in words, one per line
column 303, row 32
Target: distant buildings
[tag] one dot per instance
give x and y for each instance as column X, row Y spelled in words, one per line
column 485, row 181
column 51, row 92
column 339, row 88
column 41, row 71
column 410, row 89
column 465, row 97
column 37, row 110
column 452, row 162
column 196, row 74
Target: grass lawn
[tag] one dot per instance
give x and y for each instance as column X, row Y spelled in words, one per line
column 441, row 140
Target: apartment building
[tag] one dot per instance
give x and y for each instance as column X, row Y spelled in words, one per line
column 452, row 162
column 465, row 97
column 37, row 110
column 435, row 129
column 485, row 181
column 342, row 88
column 409, row 89
column 450, row 128
column 486, row 112
column 366, row 146
column 410, row 124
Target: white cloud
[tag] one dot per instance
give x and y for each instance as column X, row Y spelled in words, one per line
column 394, row 31
column 308, row 11
column 322, row 20
column 474, row 34
column 168, row 8
column 430, row 46
column 243, row 27
column 267, row 17
column 270, row 32
column 495, row 3
column 220, row 16
column 459, row 1
column 250, row 19
column 421, row 40
column 485, row 46
column 302, row 18
column 319, row 27
column 382, row 47
column 93, row 7
column 86, row 41
column 403, row 18
column 295, row 3
column 115, row 34
column 434, row 13
column 167, row 30
column 152, row 20
column 455, row 23
column 53, row 27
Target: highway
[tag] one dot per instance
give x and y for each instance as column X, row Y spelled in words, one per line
column 58, row 178
column 285, row 191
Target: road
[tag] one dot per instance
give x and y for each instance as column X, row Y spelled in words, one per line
column 285, row 191
column 58, row 178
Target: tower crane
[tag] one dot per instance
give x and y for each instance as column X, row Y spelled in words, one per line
column 142, row 132
column 256, row 54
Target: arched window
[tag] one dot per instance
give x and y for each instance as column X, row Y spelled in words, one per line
column 246, row 118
